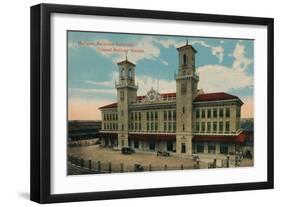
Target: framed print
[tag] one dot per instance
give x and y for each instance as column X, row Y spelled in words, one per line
column 133, row 103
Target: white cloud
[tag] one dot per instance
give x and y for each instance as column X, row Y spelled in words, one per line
column 164, row 62
column 218, row 52
column 108, row 83
column 215, row 78
column 200, row 42
column 147, row 82
column 151, row 51
column 221, row 78
column 169, row 42
column 241, row 61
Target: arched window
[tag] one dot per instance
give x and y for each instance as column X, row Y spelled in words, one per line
column 130, row 73
column 184, row 59
column 122, row 73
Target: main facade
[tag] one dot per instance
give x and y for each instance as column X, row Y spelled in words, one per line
column 185, row 122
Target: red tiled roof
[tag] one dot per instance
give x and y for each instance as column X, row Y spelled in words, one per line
column 220, row 138
column 214, row 97
column 168, row 95
column 156, row 137
column 140, row 97
column 200, row 98
column 109, row 106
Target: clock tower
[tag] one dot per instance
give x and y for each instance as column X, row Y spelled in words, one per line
column 186, row 88
column 126, row 94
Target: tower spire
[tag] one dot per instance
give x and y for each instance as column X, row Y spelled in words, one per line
column 126, row 54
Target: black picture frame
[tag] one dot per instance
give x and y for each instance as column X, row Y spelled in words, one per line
column 41, row 102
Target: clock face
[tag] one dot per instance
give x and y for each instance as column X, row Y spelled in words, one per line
column 152, row 97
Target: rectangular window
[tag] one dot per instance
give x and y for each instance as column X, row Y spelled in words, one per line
column 136, row 126
column 122, row 127
column 227, row 126
column 174, row 115
column 200, row 147
column 197, row 113
column 132, row 116
column 156, row 115
column 122, row 112
column 203, row 113
column 215, row 127
column 197, row 126
column 136, row 143
column 170, row 126
column 139, row 126
column 209, row 113
column 169, row 115
column 221, row 126
column 183, row 127
column 202, row 126
column 152, row 145
column 136, row 118
column 156, row 126
column 208, row 127
column 169, row 145
column 227, row 113
column 147, row 115
column 165, row 126
column 110, row 117
column 152, row 127
column 139, row 116
column 223, row 148
column 165, row 115
column 237, row 113
column 121, row 95
column 215, row 113
column 183, row 150
column 174, row 126
column 151, row 115
column 183, row 88
column 147, row 126
column 212, row 148
column 221, row 113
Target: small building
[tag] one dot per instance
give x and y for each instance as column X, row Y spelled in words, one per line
column 185, row 122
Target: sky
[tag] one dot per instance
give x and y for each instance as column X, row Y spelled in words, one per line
column 223, row 65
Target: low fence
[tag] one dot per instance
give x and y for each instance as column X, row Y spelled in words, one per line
column 90, row 166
